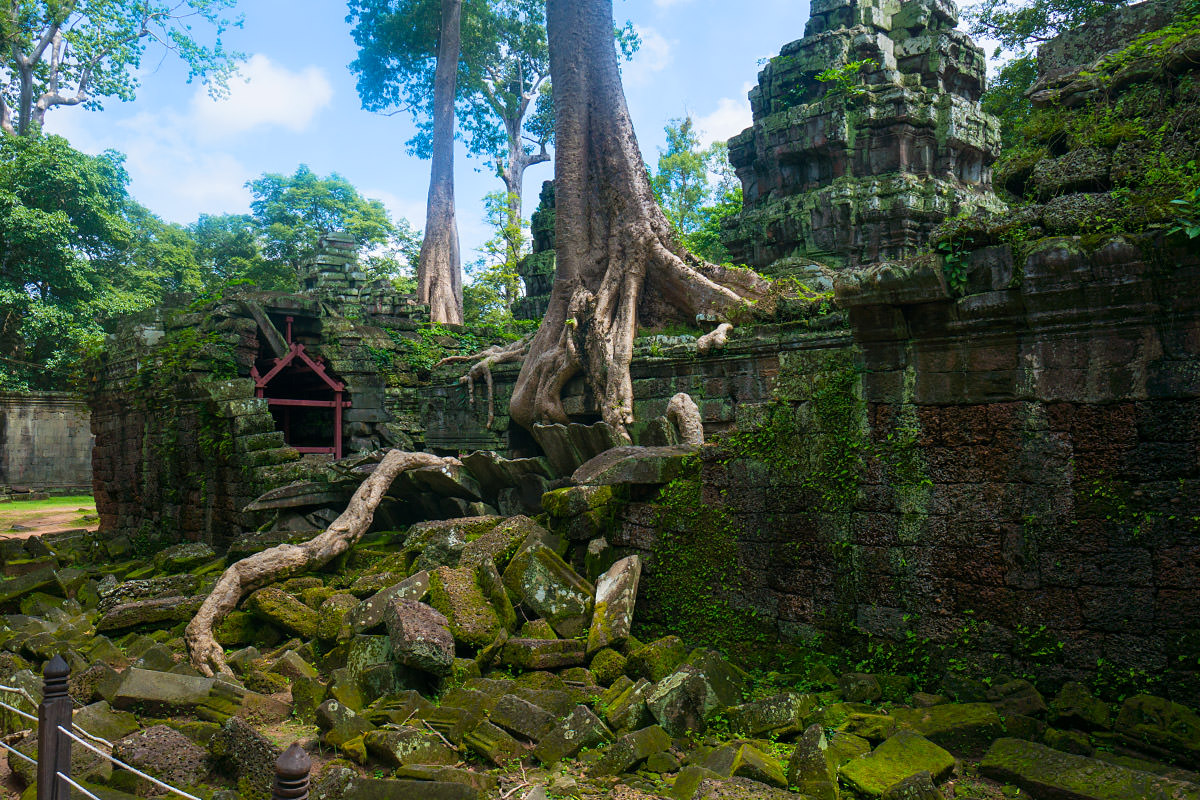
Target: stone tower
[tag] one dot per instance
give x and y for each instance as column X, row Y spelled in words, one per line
column 862, row 173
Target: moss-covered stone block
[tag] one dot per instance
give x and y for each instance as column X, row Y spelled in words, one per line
column 283, row 611
column 456, row 593
column 898, row 758
column 967, row 728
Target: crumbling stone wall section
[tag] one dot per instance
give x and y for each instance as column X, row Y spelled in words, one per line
column 180, row 438
column 45, row 442
column 1013, row 475
column 861, row 171
column 183, row 442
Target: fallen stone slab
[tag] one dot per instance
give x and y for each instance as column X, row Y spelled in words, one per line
column 1044, row 772
column 185, row 556
column 398, row 747
column 634, row 465
column 658, row 659
column 241, row 752
column 369, row 613
column 741, row 789
column 283, row 611
column 538, row 654
column 581, row 728
column 812, row 768
column 13, row 588
column 164, row 753
column 150, row 611
column 420, row 637
column 494, row 744
column 540, row 580
column 156, row 692
column 632, row 749
column 480, row 781
column 456, row 593
column 1164, row 727
column 900, row 757
column 616, row 597
column 166, row 586
column 773, row 717
column 303, row 493
column 523, row 718
column 963, row 729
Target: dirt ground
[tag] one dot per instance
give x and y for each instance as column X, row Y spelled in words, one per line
column 22, row 519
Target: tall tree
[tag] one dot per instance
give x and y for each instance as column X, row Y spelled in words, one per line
column 681, row 181
column 618, row 261
column 504, row 104
column 79, row 52
column 439, row 271
column 75, row 251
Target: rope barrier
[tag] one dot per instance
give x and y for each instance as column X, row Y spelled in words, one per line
column 18, row 711
column 18, row 753
column 125, row 766
column 76, row 786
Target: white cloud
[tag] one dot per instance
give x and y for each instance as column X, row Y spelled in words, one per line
column 410, row 209
column 653, row 56
column 264, row 95
column 173, row 157
column 731, row 116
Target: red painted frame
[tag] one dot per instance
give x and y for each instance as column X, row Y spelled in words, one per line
column 296, row 351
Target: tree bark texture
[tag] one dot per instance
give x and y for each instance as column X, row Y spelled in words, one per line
column 439, row 272
column 618, row 263
column 285, row 560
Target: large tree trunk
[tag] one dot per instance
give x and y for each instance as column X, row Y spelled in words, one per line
column 618, row 263
column 285, row 560
column 439, row 273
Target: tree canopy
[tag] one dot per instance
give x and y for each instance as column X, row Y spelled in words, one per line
column 292, row 211
column 696, row 189
column 81, row 52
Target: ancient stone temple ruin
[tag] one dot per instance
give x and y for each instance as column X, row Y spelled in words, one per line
column 1005, row 430
column 861, row 167
column 197, row 409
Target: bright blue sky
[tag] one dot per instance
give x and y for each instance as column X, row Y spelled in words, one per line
column 189, row 155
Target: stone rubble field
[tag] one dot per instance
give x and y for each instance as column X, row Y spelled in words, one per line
column 465, row 659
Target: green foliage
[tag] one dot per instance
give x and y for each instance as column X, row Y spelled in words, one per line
column 1005, row 97
column 291, row 213
column 70, row 257
column 954, row 263
column 1115, row 683
column 96, row 48
column 503, row 66
column 494, row 283
column 1020, row 25
column 681, row 180
column 696, row 189
column 1188, row 222
column 844, row 80
column 697, row 542
column 423, row 349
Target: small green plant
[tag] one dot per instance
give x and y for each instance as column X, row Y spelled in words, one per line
column 844, row 79
column 1188, row 222
column 954, row 263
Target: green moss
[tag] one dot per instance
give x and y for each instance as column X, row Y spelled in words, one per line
column 457, row 595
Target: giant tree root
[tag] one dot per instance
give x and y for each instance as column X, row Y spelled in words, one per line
column 283, row 561
column 683, row 413
column 482, row 368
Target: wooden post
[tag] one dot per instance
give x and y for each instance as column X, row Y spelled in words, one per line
column 54, row 749
column 291, row 774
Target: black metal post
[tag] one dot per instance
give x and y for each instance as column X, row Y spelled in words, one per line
column 291, row 774
column 54, row 749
